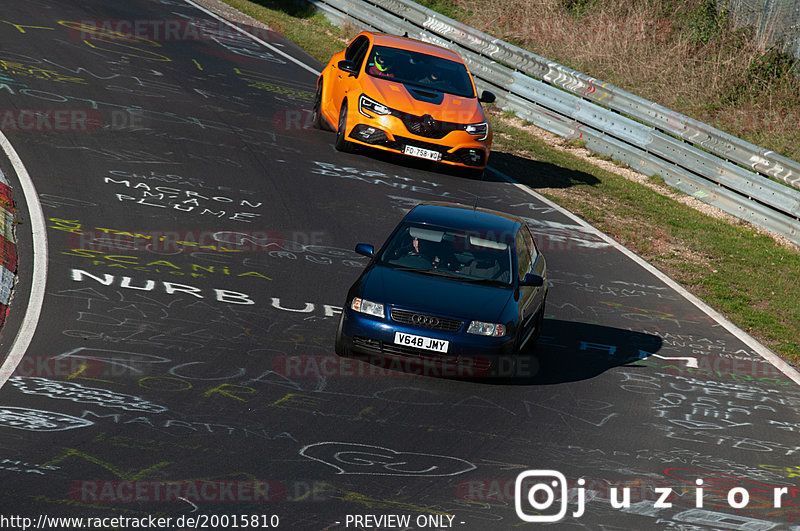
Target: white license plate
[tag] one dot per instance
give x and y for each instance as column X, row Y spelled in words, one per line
column 427, row 343
column 422, row 153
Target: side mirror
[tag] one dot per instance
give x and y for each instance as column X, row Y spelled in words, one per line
column 368, row 250
column 348, row 66
column 533, row 280
column 487, row 97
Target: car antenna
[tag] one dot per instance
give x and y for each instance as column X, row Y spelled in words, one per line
column 405, row 34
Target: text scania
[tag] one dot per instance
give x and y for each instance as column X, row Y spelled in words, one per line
column 170, row 288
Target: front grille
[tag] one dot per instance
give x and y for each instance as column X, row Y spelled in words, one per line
column 425, row 320
column 426, row 126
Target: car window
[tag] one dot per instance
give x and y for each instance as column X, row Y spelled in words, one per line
column 524, row 263
column 357, row 51
column 420, row 70
column 534, row 250
column 449, row 252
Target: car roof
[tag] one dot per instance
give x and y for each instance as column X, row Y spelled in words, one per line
column 464, row 217
column 406, row 43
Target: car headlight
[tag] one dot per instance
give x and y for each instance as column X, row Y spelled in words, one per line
column 368, row 104
column 486, row 329
column 480, row 130
column 367, row 307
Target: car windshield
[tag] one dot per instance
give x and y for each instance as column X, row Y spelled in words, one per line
column 421, row 70
column 462, row 255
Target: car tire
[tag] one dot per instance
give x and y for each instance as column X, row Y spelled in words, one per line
column 342, row 144
column 316, row 111
column 339, row 345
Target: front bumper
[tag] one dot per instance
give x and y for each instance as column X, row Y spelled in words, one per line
column 467, row 354
column 457, row 147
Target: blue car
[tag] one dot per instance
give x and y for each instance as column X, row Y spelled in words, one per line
column 455, row 287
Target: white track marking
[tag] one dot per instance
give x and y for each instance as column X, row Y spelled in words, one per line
column 690, row 362
column 39, row 278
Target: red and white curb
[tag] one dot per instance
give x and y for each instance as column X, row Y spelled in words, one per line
column 8, row 246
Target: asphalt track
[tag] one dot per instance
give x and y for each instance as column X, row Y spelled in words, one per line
column 199, row 240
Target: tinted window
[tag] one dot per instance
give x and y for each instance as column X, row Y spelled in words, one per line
column 531, row 243
column 523, row 255
column 449, row 252
column 357, row 50
column 420, row 70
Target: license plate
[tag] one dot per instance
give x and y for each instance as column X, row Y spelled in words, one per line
column 427, row 343
column 422, row 153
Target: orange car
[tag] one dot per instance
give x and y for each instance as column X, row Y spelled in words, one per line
column 405, row 96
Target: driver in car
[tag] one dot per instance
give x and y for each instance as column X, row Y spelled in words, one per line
column 381, row 66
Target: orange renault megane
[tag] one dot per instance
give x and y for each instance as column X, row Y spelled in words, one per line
column 405, row 96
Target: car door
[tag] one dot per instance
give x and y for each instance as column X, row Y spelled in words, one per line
column 345, row 82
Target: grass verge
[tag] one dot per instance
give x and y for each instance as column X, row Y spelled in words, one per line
column 693, row 56
column 744, row 274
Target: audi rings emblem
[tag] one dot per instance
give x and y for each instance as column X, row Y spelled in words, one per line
column 428, row 321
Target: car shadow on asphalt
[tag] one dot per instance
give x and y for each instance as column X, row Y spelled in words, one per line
column 537, row 174
column 532, row 173
column 570, row 351
column 567, row 351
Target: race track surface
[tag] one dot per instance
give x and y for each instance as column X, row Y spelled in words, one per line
column 199, row 245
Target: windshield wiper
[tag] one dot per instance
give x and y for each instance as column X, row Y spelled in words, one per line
column 440, row 273
column 485, row 281
column 432, row 272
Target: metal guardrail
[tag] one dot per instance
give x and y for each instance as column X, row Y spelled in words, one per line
column 716, row 167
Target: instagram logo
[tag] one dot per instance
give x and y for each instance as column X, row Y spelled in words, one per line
column 538, row 488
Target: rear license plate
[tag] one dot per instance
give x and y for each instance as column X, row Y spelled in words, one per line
column 422, row 153
column 427, row 343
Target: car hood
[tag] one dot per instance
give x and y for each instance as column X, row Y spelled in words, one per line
column 439, row 295
column 452, row 108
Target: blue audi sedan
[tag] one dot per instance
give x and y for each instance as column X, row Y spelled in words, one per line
column 454, row 287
